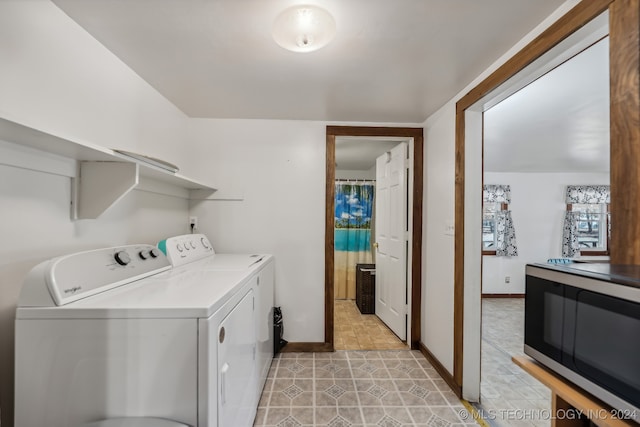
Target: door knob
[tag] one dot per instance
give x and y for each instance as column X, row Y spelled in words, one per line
column 375, row 245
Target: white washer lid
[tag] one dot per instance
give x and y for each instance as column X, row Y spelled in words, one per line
column 136, row 422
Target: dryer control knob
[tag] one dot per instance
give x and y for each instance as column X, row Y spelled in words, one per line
column 122, row 257
column 179, row 247
column 193, row 245
column 155, row 253
column 204, row 242
column 144, row 254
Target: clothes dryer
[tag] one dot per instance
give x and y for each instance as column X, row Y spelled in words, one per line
column 196, row 253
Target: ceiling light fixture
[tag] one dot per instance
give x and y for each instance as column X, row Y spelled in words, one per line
column 304, row 28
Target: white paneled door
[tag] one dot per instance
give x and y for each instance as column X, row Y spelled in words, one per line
column 391, row 239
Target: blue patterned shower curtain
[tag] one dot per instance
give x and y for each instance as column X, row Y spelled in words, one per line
column 352, row 234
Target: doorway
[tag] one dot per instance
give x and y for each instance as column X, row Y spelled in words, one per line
column 469, row 110
column 370, row 243
column 564, row 114
column 414, row 220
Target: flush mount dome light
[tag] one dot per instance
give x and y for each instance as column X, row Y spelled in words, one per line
column 304, row 28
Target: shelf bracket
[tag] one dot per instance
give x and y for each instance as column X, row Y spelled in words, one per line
column 99, row 185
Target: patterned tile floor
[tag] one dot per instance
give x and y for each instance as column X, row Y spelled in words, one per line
column 507, row 393
column 357, row 388
column 356, row 331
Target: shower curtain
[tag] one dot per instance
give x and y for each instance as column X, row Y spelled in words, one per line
column 352, row 234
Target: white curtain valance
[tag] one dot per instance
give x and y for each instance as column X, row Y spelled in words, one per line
column 588, row 194
column 496, row 193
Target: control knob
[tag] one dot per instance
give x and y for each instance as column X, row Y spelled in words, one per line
column 122, row 257
column 193, row 245
column 155, row 253
column 179, row 247
column 144, row 254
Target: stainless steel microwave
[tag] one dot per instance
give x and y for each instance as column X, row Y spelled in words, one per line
column 583, row 322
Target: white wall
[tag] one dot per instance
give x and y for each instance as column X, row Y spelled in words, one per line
column 438, row 262
column 57, row 78
column 278, row 169
column 537, row 207
column 437, row 278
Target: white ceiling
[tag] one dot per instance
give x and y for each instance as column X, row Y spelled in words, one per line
column 391, row 61
column 360, row 153
column 558, row 123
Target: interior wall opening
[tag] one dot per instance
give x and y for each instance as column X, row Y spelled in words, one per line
column 472, row 110
column 373, row 213
column 551, row 135
column 360, row 320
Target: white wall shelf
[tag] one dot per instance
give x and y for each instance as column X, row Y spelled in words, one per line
column 101, row 176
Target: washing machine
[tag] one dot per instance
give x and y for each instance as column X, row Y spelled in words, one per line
column 116, row 333
column 195, row 252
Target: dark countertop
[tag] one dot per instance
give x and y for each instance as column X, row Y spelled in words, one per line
column 628, row 275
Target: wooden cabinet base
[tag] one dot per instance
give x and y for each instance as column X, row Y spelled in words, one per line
column 570, row 405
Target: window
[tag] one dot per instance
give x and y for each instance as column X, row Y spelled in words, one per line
column 498, row 233
column 592, row 227
column 586, row 223
column 489, row 226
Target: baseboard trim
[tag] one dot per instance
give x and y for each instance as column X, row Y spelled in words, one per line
column 307, row 347
column 502, row 295
column 440, row 369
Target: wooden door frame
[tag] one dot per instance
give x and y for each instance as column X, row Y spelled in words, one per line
column 416, row 244
column 624, row 123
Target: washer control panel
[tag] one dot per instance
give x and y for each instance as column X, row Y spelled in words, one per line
column 75, row 276
column 187, row 248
